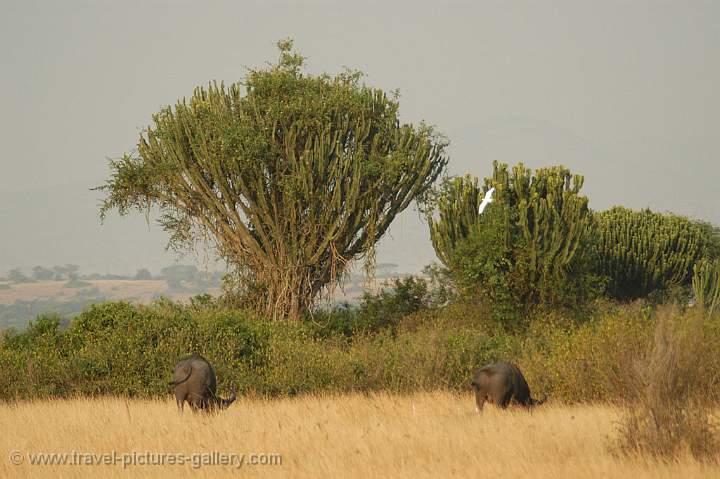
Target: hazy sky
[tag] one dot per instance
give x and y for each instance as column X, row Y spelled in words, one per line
column 626, row 93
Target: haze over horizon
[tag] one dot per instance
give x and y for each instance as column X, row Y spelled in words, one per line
column 624, row 93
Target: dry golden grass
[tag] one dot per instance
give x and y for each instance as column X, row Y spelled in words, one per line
column 424, row 435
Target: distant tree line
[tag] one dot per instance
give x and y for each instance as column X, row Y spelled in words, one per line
column 186, row 279
column 68, row 272
column 175, row 275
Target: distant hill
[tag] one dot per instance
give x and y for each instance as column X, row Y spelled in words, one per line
column 23, row 302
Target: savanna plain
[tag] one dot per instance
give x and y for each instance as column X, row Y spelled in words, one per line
column 431, row 434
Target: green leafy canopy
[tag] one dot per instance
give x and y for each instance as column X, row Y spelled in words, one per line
column 291, row 176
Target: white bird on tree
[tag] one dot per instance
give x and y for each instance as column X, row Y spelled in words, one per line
column 486, row 200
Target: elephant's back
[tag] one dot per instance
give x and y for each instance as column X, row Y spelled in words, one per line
column 203, row 374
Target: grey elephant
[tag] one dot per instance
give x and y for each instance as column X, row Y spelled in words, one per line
column 195, row 382
column 502, row 383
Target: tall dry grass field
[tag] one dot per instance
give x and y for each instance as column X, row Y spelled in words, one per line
column 424, row 435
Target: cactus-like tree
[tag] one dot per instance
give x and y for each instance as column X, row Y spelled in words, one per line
column 529, row 240
column 706, row 284
column 458, row 218
column 291, row 176
column 643, row 251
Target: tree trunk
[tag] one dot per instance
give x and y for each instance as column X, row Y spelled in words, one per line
column 288, row 295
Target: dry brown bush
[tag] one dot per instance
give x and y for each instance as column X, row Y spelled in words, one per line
column 669, row 411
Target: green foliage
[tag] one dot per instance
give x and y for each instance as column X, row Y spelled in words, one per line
column 122, row 349
column 456, row 201
column 118, row 348
column 706, row 284
column 529, row 246
column 407, row 296
column 584, row 360
column 375, row 312
column 711, row 239
column 291, row 180
column 642, row 252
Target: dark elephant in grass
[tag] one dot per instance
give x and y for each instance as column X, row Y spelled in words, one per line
column 195, row 382
column 501, row 384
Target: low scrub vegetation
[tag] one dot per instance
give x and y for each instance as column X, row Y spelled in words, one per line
column 392, row 342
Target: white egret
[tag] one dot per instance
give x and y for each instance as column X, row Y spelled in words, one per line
column 486, row 200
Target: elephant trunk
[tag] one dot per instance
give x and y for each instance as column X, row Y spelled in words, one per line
column 224, row 403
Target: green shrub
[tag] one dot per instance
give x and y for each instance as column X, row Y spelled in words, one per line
column 35, row 359
column 123, row 349
column 375, row 312
column 584, row 362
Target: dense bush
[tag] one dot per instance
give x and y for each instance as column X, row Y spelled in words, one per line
column 374, row 312
column 118, row 348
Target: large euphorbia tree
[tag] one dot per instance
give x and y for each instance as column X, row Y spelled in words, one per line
column 643, row 251
column 291, row 176
column 529, row 243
